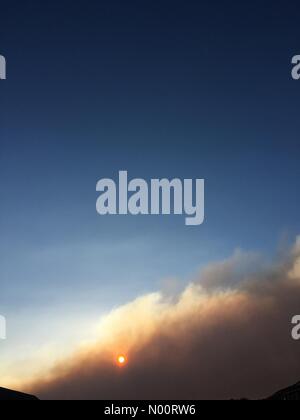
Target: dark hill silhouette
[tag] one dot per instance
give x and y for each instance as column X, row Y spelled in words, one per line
column 8, row 395
column 289, row 394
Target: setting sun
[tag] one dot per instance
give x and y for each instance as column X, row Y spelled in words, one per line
column 122, row 360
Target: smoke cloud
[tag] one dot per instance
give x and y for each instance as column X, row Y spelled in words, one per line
column 228, row 335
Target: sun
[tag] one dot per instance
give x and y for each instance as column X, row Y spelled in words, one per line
column 122, row 360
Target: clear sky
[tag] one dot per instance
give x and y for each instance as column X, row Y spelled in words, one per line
column 188, row 89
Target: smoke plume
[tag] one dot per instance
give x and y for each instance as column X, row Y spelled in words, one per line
column 228, row 335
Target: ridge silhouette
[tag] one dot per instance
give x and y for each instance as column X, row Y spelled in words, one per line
column 291, row 393
column 9, row 395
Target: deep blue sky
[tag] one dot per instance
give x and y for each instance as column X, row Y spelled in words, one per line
column 198, row 89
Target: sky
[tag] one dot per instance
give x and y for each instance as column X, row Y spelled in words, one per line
column 161, row 89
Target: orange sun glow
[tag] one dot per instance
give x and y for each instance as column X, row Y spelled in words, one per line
column 122, row 360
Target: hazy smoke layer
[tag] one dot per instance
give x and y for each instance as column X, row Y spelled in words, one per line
column 228, row 335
